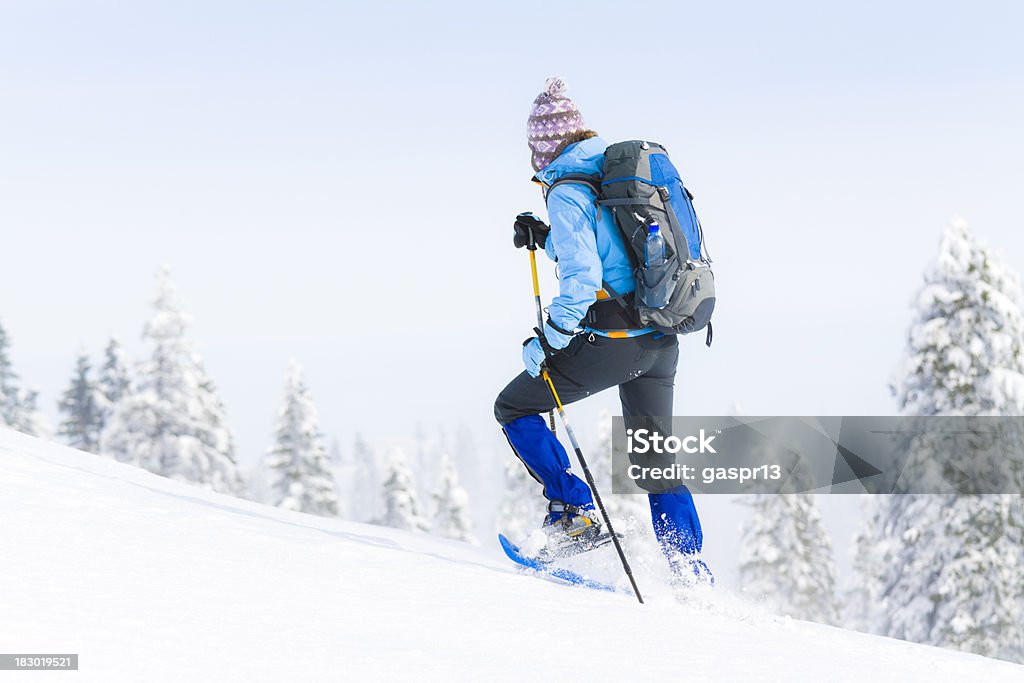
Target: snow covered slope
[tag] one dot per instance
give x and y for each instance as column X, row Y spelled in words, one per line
column 149, row 579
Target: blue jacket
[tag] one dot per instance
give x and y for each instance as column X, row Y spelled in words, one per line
column 584, row 239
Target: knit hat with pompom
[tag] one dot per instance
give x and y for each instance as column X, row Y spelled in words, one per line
column 554, row 118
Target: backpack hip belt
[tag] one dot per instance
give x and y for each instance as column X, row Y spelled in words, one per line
column 608, row 315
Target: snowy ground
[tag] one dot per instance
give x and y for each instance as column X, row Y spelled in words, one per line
column 149, row 579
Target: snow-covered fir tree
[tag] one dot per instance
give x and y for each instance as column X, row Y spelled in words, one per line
column 335, row 455
column 17, row 404
column 979, row 595
column 81, row 409
column 402, row 509
column 468, row 460
column 171, row 420
column 452, row 519
column 362, row 487
column 114, row 380
column 863, row 587
column 421, row 459
column 965, row 347
column 299, row 468
column 786, row 556
column 342, row 471
column 950, row 569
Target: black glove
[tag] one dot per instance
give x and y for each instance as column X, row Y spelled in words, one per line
column 528, row 225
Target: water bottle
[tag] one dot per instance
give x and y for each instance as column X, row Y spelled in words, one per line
column 654, row 247
column 657, row 284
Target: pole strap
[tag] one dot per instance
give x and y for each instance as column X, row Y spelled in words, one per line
column 562, row 330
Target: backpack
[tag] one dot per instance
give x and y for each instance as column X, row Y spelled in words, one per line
column 640, row 186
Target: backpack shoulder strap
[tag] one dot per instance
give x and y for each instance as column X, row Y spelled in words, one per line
column 591, row 181
column 619, row 299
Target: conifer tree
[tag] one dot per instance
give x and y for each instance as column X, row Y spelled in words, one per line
column 468, row 461
column 335, row 455
column 114, row 380
column 363, row 487
column 452, row 519
column 171, row 420
column 17, row 404
column 786, row 557
column 864, row 587
column 402, row 509
column 949, row 568
column 82, row 409
column 301, row 478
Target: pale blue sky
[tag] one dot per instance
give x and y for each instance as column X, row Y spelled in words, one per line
column 258, row 148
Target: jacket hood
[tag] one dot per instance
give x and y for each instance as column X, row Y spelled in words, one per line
column 586, row 156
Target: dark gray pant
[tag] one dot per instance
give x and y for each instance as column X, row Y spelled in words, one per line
column 643, row 368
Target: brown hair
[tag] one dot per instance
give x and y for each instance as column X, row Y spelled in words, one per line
column 572, row 139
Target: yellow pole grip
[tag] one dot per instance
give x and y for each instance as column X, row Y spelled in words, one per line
column 533, row 268
column 551, row 386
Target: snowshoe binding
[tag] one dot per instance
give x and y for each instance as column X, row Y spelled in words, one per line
column 570, row 531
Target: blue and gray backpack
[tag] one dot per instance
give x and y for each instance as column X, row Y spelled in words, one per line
column 640, row 186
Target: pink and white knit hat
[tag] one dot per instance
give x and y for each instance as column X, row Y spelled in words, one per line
column 554, row 117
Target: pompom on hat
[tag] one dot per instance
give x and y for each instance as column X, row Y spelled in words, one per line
column 553, row 118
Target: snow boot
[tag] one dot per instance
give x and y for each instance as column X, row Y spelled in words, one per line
column 677, row 528
column 570, row 531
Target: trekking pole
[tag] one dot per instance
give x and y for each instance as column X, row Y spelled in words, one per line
column 532, row 247
column 576, row 445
